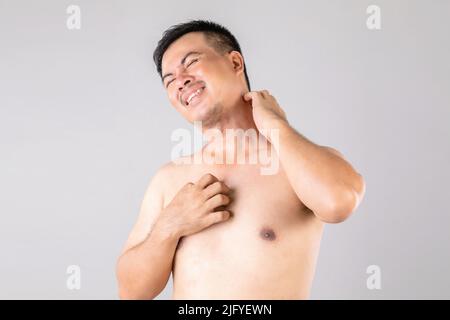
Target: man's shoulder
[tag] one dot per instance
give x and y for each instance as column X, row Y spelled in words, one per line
column 166, row 177
column 170, row 171
column 163, row 173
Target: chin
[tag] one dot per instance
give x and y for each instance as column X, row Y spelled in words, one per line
column 203, row 119
column 205, row 112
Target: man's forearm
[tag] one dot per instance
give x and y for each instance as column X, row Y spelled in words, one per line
column 143, row 271
column 323, row 181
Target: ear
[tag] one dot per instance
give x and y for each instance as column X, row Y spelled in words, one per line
column 237, row 61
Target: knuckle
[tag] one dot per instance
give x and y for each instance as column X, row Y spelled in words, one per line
column 216, row 185
column 222, row 215
column 196, row 202
column 208, row 176
column 199, row 201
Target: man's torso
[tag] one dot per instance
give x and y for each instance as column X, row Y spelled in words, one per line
column 266, row 250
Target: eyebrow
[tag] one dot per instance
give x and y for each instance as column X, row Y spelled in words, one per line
column 181, row 63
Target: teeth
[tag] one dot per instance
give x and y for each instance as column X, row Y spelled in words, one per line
column 194, row 94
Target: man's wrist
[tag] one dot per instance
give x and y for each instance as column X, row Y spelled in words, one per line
column 165, row 230
column 278, row 128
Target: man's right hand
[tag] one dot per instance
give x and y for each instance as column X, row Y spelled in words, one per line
column 193, row 207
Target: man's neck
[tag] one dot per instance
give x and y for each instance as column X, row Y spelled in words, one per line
column 236, row 120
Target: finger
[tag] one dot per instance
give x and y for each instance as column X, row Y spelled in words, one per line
column 215, row 188
column 206, row 180
column 188, row 185
column 217, row 201
column 249, row 95
column 217, row 217
column 265, row 94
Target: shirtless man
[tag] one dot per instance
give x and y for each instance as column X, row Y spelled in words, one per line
column 226, row 231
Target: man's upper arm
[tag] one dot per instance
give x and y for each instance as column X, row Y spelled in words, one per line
column 151, row 207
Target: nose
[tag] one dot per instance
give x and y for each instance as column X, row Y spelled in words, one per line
column 183, row 81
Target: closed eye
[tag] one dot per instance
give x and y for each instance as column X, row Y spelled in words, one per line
column 192, row 62
column 187, row 66
column 169, row 82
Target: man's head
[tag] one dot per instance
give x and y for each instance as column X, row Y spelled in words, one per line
column 202, row 68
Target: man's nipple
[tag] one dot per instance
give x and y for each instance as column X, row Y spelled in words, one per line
column 267, row 234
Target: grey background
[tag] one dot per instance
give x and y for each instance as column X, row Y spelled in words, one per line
column 85, row 123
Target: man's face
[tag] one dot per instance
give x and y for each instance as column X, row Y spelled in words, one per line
column 200, row 82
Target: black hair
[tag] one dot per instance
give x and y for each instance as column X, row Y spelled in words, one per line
column 219, row 37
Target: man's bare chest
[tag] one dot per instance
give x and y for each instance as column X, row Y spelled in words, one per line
column 264, row 208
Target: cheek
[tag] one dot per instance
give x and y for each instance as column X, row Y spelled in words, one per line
column 222, row 78
column 211, row 73
column 220, row 86
column 214, row 79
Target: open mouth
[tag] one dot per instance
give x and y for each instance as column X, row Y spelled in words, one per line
column 194, row 97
